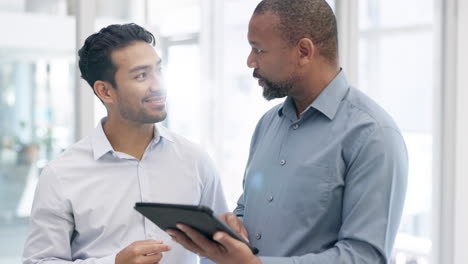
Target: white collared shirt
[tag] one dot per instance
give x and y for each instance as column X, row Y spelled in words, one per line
column 83, row 206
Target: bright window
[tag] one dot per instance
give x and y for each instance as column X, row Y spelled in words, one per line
column 396, row 68
column 212, row 97
column 37, row 71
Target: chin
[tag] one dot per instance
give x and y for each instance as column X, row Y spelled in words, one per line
column 147, row 118
column 159, row 118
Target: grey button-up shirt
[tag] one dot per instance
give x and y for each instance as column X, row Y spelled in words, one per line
column 328, row 187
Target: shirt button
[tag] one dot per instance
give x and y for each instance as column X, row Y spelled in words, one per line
column 296, row 126
column 258, row 236
column 282, row 162
column 270, row 199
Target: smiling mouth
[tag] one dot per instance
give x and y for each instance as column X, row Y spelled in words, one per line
column 156, row 101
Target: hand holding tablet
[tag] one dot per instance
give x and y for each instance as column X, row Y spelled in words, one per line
column 200, row 218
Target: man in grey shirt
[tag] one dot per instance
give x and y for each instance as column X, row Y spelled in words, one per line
column 327, row 172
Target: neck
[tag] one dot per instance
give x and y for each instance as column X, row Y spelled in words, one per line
column 314, row 82
column 127, row 136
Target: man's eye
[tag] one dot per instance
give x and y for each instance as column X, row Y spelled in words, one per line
column 258, row 51
column 141, row 75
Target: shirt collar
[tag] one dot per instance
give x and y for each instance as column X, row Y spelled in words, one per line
column 327, row 102
column 102, row 146
column 100, row 143
column 161, row 131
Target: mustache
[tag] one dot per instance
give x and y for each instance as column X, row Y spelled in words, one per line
column 256, row 75
column 159, row 93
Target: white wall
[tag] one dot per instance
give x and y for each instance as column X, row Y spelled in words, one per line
column 451, row 182
column 461, row 123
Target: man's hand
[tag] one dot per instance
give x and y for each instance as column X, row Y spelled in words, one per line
column 142, row 252
column 228, row 250
column 235, row 223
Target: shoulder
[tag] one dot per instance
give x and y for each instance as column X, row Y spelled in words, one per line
column 370, row 124
column 60, row 169
column 363, row 108
column 188, row 150
column 192, row 155
column 364, row 121
column 77, row 153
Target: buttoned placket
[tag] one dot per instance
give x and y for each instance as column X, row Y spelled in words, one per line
column 145, row 191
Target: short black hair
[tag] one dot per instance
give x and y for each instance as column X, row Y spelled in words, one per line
column 95, row 59
column 313, row 19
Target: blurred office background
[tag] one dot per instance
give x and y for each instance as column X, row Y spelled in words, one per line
column 406, row 54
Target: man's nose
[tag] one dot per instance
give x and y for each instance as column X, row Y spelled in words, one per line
column 156, row 82
column 251, row 62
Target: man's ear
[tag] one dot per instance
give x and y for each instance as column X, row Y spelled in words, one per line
column 306, row 50
column 104, row 91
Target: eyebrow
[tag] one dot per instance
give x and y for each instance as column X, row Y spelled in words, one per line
column 253, row 43
column 144, row 67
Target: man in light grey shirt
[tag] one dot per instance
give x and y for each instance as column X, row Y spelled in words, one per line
column 326, row 177
column 83, row 207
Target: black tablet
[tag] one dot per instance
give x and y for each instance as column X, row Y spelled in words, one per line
column 200, row 218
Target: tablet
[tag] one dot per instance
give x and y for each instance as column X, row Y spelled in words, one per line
column 200, row 218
